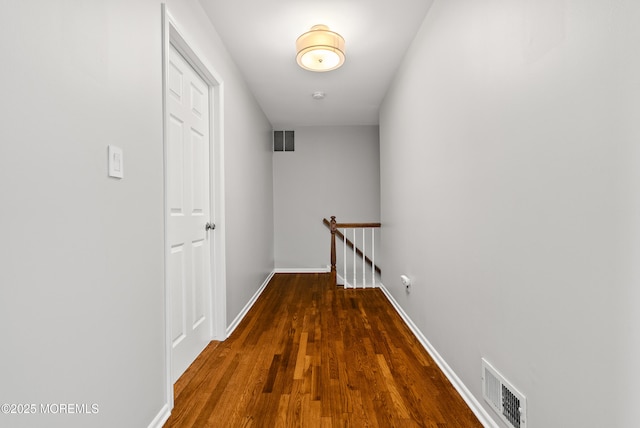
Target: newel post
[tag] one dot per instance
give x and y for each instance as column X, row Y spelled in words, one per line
column 334, row 276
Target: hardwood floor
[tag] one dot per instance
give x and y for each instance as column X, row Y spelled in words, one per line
column 310, row 354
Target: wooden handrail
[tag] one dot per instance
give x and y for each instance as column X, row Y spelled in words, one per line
column 333, row 227
column 356, row 225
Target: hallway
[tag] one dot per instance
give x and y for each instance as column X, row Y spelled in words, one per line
column 310, row 354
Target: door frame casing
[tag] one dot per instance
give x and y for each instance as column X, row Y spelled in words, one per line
column 172, row 35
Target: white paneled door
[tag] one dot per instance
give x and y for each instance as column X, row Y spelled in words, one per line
column 189, row 230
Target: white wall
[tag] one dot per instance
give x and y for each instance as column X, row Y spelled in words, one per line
column 81, row 269
column 333, row 171
column 510, row 193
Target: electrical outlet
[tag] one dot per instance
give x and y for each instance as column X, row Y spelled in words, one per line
column 406, row 281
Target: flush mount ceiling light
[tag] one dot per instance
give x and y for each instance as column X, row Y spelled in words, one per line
column 320, row 49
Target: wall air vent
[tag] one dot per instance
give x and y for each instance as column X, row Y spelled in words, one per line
column 507, row 401
column 283, row 141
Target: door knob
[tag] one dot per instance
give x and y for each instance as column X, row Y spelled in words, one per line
column 210, row 226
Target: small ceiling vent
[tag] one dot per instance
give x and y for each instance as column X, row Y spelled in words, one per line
column 283, row 141
column 507, row 401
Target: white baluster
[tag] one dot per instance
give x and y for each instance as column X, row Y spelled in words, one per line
column 354, row 258
column 373, row 258
column 344, row 257
column 364, row 254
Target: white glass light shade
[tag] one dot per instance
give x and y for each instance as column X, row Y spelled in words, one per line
column 320, row 49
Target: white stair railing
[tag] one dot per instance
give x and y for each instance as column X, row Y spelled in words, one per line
column 358, row 251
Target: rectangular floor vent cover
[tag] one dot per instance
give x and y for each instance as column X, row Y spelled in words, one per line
column 507, row 401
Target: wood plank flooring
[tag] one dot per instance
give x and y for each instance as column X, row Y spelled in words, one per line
column 309, row 354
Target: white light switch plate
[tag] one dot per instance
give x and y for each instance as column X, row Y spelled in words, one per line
column 116, row 162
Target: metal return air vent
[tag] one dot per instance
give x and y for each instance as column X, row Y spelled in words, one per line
column 283, row 141
column 507, row 401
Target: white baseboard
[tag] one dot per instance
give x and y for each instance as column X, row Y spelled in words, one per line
column 475, row 406
column 161, row 417
column 302, row 270
column 347, row 284
column 234, row 324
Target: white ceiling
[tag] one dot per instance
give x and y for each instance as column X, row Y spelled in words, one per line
column 261, row 36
